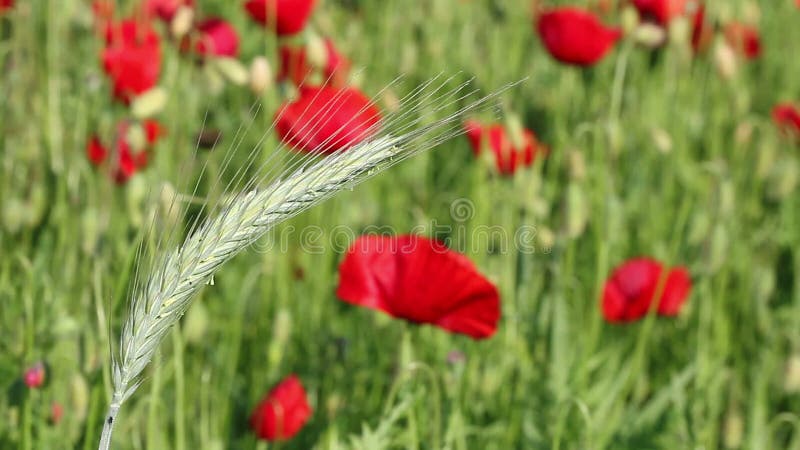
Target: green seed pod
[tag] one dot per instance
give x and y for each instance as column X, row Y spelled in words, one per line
column 232, row 70
column 577, row 211
column 149, row 103
column 196, row 323
column 78, row 397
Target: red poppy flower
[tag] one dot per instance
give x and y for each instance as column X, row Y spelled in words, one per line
column 295, row 65
column 286, row 17
column 744, row 38
column 630, row 290
column 575, row 36
column 419, row 280
column 132, row 58
column 508, row 157
column 127, row 160
column 702, row 32
column 165, row 9
column 217, row 38
column 787, row 117
column 283, row 412
column 5, row 5
column 660, row 11
column 34, row 376
column 326, row 119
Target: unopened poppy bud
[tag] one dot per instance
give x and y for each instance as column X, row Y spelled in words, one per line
column 390, row 101
column 680, row 31
column 752, row 12
column 136, row 137
column 333, row 404
column 233, row 70
column 135, row 195
column 215, row 82
column 196, row 323
column 13, row 215
column 577, row 211
column 744, row 133
column 699, row 228
column 767, row 155
column 317, row 52
column 733, row 430
column 516, row 131
column 629, row 20
column 182, row 21
column 615, row 137
column 34, row 376
column 260, row 75
column 91, row 231
column 649, row 35
column 408, row 58
column 661, row 140
column 37, row 205
column 283, row 326
column 791, row 374
column 78, row 398
column 783, row 179
column 149, row 103
column 577, row 165
column 725, row 60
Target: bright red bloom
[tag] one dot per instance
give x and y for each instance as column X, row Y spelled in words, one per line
column 744, row 38
column 283, row 412
column 419, row 280
column 630, row 290
column 787, row 118
column 286, row 17
column 326, row 119
column 575, row 36
column 216, row 37
column 5, row 5
column 165, row 9
column 660, row 11
column 126, row 160
column 296, row 67
column 507, row 156
column 95, row 151
column 34, row 376
column 132, row 58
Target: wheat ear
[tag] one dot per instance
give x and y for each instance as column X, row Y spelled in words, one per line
column 177, row 275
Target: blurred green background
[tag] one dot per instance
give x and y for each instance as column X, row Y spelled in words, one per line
column 652, row 153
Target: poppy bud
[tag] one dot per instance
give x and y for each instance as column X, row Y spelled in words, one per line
column 149, row 103
column 783, row 179
column 546, row 238
column 260, row 75
column 317, row 52
column 215, row 82
column 765, row 160
column 13, row 214
column 233, row 70
column 791, row 374
column 629, row 20
column 718, row 251
column 744, row 133
column 281, row 332
column 78, row 398
column 661, row 140
column 37, row 205
column 733, row 429
column 680, row 32
column 136, row 137
column 699, row 228
column 577, row 165
column 649, row 35
column 577, row 211
column 135, row 196
column 763, row 283
column 90, row 228
column 181, row 23
column 725, row 60
column 196, row 323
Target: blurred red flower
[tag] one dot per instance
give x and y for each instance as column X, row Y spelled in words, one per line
column 34, row 376
column 56, row 413
column 630, row 290
column 216, row 37
column 5, row 5
column 744, row 38
column 326, row 119
column 702, row 31
column 165, row 9
column 131, row 58
column 508, row 157
column 286, row 17
column 419, row 280
column 787, row 118
column 660, row 11
column 283, row 412
column 127, row 160
column 296, row 66
column 575, row 36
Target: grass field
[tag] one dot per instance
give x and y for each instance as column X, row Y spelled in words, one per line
column 652, row 152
